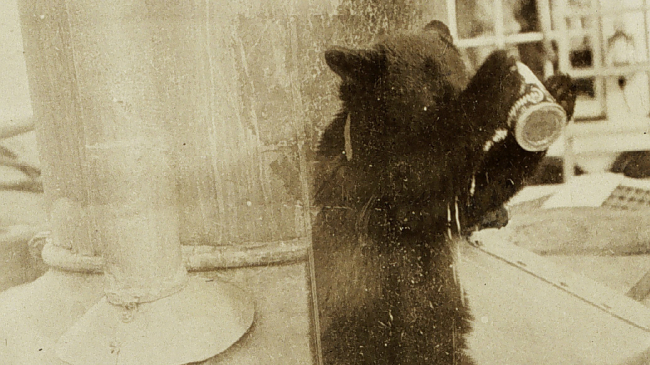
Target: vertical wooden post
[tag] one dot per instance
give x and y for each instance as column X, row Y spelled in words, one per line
column 207, row 111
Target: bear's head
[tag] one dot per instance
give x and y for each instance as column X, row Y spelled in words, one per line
column 394, row 90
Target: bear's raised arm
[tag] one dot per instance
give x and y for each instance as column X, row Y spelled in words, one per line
column 503, row 170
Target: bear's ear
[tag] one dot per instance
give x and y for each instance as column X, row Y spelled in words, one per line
column 355, row 64
column 441, row 28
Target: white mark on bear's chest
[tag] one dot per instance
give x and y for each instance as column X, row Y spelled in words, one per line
column 499, row 136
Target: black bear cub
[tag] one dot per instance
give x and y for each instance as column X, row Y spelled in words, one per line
column 417, row 157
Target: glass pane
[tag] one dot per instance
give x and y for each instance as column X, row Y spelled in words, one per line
column 535, row 56
column 581, row 52
column 585, row 87
column 590, row 101
column 475, row 18
column 478, row 18
column 624, row 38
column 525, row 13
column 608, row 6
column 579, row 23
column 627, row 97
column 580, row 3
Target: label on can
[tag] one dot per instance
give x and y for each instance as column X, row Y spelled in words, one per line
column 537, row 120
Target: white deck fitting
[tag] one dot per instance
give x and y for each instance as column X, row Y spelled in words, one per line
column 589, row 190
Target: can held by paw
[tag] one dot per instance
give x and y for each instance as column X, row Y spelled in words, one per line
column 536, row 118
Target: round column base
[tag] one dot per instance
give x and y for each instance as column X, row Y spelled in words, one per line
column 202, row 320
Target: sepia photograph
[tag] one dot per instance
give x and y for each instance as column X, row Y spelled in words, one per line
column 325, row 182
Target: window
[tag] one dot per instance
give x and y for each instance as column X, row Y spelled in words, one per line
column 602, row 44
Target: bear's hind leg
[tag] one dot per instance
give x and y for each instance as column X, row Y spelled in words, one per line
column 361, row 338
column 433, row 319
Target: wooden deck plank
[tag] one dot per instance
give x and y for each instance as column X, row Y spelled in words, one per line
column 44, row 309
column 529, row 311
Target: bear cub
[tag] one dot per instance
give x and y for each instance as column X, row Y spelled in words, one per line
column 417, row 157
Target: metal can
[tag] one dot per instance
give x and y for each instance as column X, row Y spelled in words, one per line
column 536, row 118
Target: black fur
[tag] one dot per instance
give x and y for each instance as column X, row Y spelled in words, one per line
column 384, row 259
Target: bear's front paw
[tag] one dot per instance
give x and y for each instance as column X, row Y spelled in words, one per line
column 497, row 218
column 563, row 90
